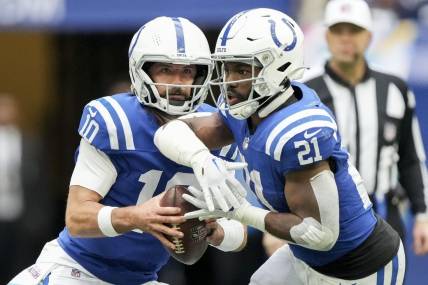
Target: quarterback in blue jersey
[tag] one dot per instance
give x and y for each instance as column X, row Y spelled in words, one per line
column 115, row 228
column 313, row 197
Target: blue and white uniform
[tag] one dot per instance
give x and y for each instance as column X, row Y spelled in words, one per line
column 122, row 129
column 289, row 139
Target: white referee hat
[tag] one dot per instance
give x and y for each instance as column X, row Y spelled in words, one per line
column 355, row 12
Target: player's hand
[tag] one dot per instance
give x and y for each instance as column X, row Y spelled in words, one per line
column 215, row 232
column 420, row 237
column 150, row 217
column 198, row 200
column 216, row 177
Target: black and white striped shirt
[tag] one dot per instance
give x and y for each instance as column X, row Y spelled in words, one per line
column 380, row 130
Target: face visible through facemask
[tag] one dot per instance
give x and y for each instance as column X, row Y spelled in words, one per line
column 237, row 92
column 178, row 74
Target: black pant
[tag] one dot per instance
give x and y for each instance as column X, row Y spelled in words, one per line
column 393, row 216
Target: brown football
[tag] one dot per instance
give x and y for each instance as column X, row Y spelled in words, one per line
column 192, row 246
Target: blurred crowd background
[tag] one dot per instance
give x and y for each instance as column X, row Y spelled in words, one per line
column 57, row 55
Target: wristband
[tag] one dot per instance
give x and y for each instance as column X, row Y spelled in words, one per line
column 251, row 216
column 234, row 235
column 104, row 221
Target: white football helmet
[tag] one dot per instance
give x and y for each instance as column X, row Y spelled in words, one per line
column 169, row 40
column 270, row 40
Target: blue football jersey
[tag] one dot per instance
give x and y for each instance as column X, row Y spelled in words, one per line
column 289, row 139
column 123, row 129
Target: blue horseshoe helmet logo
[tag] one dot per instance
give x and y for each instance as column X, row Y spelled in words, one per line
column 275, row 38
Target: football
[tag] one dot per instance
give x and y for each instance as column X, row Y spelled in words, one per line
column 192, row 246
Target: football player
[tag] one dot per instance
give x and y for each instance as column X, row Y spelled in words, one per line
column 313, row 197
column 115, row 228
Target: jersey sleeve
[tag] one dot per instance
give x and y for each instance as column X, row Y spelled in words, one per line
column 305, row 143
column 93, row 169
column 98, row 127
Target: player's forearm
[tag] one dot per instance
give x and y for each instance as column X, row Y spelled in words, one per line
column 181, row 140
column 302, row 226
column 306, row 232
column 179, row 143
column 280, row 224
column 213, row 133
column 277, row 224
column 83, row 221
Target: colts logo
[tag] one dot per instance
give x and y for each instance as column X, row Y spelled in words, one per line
column 275, row 38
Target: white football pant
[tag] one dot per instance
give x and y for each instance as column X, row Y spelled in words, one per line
column 55, row 267
column 284, row 268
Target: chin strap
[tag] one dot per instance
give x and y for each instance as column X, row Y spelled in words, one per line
column 277, row 102
column 245, row 111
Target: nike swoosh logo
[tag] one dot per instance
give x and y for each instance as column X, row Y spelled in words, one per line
column 253, row 39
column 309, row 135
column 92, row 113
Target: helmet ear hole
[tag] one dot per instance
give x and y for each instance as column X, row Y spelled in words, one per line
column 146, row 66
column 201, row 74
column 200, row 78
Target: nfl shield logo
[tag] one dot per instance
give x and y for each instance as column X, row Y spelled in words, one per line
column 75, row 273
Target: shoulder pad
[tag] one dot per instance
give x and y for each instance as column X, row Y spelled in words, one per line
column 302, row 138
column 105, row 125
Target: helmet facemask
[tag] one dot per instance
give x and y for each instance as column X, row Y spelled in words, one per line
column 246, row 107
column 149, row 95
column 261, row 93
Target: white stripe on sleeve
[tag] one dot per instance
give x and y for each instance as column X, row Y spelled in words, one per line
column 224, row 150
column 129, row 137
column 291, row 119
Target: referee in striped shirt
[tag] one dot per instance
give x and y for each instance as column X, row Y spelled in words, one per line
column 375, row 115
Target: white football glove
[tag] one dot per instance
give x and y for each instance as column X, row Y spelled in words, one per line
column 246, row 213
column 217, row 178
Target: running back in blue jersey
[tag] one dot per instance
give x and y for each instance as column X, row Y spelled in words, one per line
column 123, row 129
column 289, row 139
